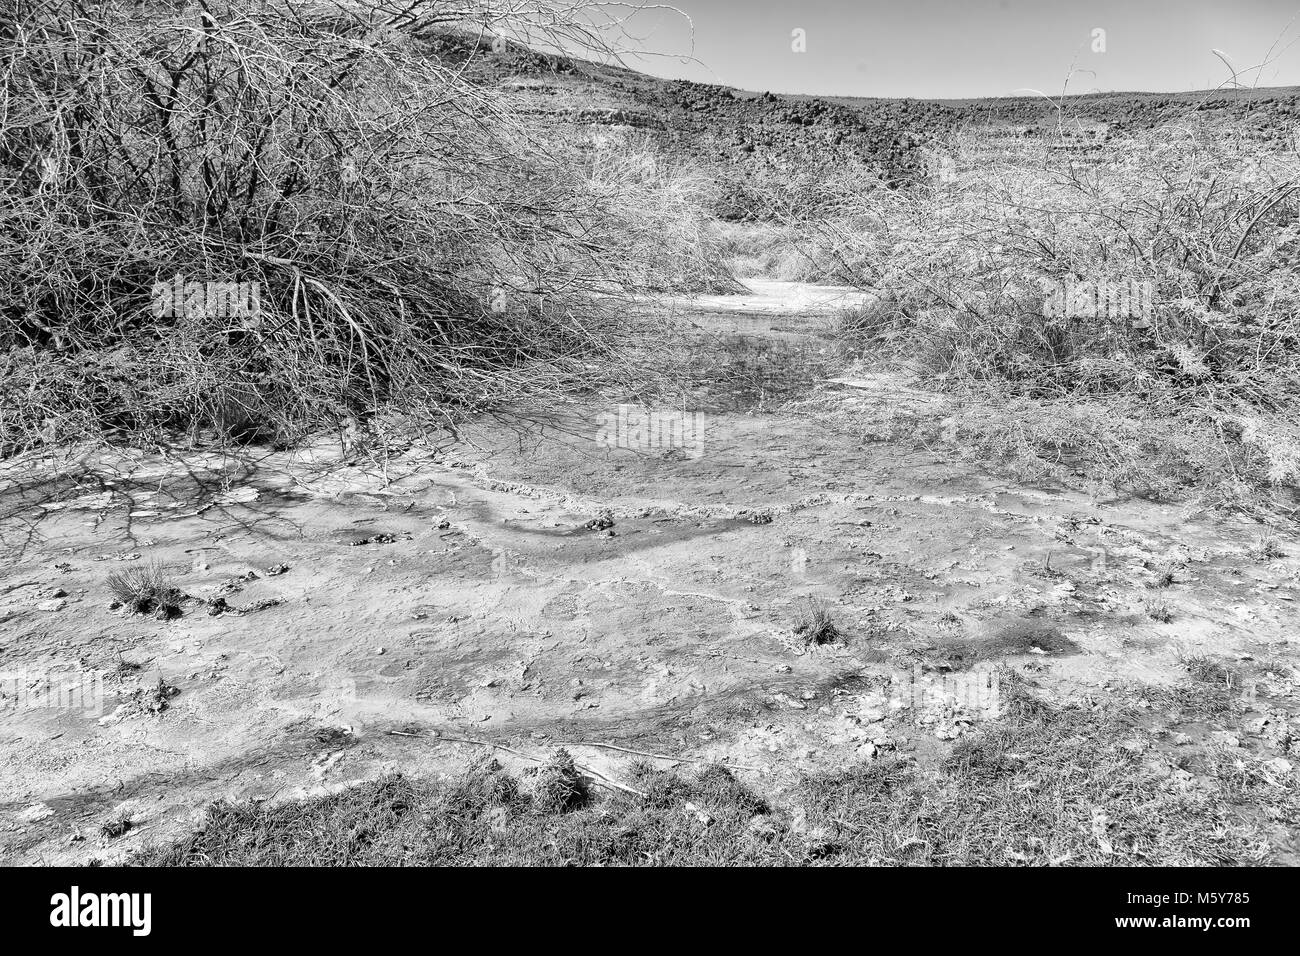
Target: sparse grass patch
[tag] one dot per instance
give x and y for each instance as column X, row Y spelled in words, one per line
column 1159, row 611
column 484, row 816
column 1044, row 784
column 1199, row 698
column 1269, row 548
column 1206, row 670
column 1047, row 785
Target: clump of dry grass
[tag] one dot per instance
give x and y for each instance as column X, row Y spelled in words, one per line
column 1206, row 670
column 1268, row 548
column 816, row 626
column 1159, row 611
column 559, row 787
column 146, row 590
column 1163, row 574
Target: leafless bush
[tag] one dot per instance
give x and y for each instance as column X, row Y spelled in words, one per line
column 1198, row 384
column 414, row 245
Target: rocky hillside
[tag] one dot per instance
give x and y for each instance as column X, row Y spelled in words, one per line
column 745, row 136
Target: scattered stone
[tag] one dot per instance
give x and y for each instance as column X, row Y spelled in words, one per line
column 35, row 813
column 259, row 606
column 1278, row 765
column 380, row 538
column 699, row 814
column 119, row 826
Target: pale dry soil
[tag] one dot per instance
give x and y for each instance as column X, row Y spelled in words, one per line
column 482, row 606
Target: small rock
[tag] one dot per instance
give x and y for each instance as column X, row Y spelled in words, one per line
column 601, row 522
column 35, row 813
column 1278, row 765
column 698, row 813
column 760, row 828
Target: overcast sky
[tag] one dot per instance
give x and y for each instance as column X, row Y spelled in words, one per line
column 954, row 48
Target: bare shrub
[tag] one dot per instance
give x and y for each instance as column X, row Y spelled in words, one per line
column 1195, row 386
column 415, row 245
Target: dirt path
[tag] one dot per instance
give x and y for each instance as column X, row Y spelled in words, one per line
column 460, row 590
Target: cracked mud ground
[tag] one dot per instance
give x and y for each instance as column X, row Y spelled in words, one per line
column 477, row 589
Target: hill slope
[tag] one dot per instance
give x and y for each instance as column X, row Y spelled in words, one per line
column 749, row 133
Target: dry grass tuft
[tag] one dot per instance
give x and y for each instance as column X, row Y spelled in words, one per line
column 146, row 590
column 559, row 787
column 1269, row 548
column 1159, row 611
column 816, row 626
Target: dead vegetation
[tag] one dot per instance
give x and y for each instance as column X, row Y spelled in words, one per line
column 146, row 590
column 559, row 788
column 1159, row 611
column 1206, row 670
column 988, row 289
column 116, row 827
column 1269, row 548
column 816, row 626
column 413, row 245
column 1060, row 785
